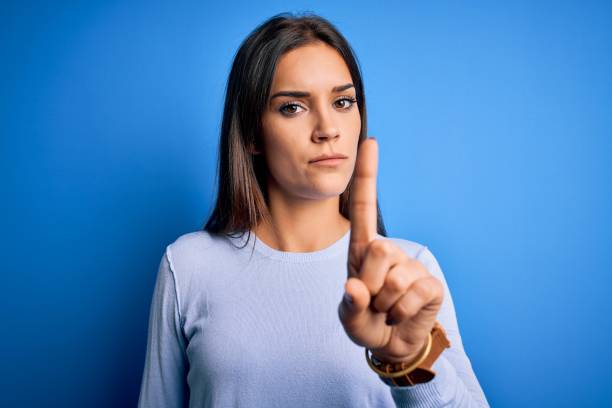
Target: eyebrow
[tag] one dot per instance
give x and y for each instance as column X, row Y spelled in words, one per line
column 302, row 94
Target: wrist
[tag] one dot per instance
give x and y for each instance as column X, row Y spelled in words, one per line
column 405, row 372
column 407, row 359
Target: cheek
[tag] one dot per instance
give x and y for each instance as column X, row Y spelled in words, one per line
column 279, row 160
column 356, row 121
column 282, row 155
column 280, row 142
column 351, row 129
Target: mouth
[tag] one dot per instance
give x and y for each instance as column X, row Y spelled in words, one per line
column 332, row 162
column 331, row 158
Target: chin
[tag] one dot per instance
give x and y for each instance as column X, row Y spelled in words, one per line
column 329, row 191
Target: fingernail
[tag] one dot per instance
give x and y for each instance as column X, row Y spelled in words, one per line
column 372, row 137
column 390, row 321
column 348, row 298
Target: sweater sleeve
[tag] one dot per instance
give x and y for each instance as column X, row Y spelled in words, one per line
column 455, row 384
column 164, row 381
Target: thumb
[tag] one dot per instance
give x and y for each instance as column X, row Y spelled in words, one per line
column 353, row 309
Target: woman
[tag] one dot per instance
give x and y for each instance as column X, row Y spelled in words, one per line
column 292, row 295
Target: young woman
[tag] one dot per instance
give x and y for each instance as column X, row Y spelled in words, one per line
column 292, row 295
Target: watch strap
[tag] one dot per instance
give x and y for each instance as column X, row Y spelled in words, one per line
column 423, row 372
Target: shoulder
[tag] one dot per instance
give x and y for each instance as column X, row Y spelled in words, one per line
column 194, row 249
column 192, row 243
column 411, row 248
column 203, row 252
column 421, row 253
column 198, row 260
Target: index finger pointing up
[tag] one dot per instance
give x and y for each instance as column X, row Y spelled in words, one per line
column 362, row 208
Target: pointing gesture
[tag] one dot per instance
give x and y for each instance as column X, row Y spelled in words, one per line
column 391, row 300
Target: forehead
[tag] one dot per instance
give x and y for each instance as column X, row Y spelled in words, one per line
column 310, row 67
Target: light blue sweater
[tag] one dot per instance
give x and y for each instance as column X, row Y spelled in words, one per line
column 258, row 327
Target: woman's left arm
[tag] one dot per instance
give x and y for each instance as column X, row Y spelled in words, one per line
column 455, row 383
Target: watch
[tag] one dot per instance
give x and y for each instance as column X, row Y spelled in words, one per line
column 423, row 372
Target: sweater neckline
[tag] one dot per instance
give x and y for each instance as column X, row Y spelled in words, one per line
column 336, row 248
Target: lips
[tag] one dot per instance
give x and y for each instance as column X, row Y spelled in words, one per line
column 328, row 156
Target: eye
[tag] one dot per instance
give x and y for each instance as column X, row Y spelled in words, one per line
column 292, row 108
column 346, row 99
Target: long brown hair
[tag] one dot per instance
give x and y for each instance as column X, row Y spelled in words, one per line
column 242, row 190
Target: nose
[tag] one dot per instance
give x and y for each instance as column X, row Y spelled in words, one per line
column 326, row 129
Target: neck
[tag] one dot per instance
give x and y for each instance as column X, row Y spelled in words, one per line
column 303, row 225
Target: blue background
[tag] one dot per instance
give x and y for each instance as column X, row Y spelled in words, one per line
column 494, row 125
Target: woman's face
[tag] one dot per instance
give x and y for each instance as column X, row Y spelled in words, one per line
column 321, row 121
